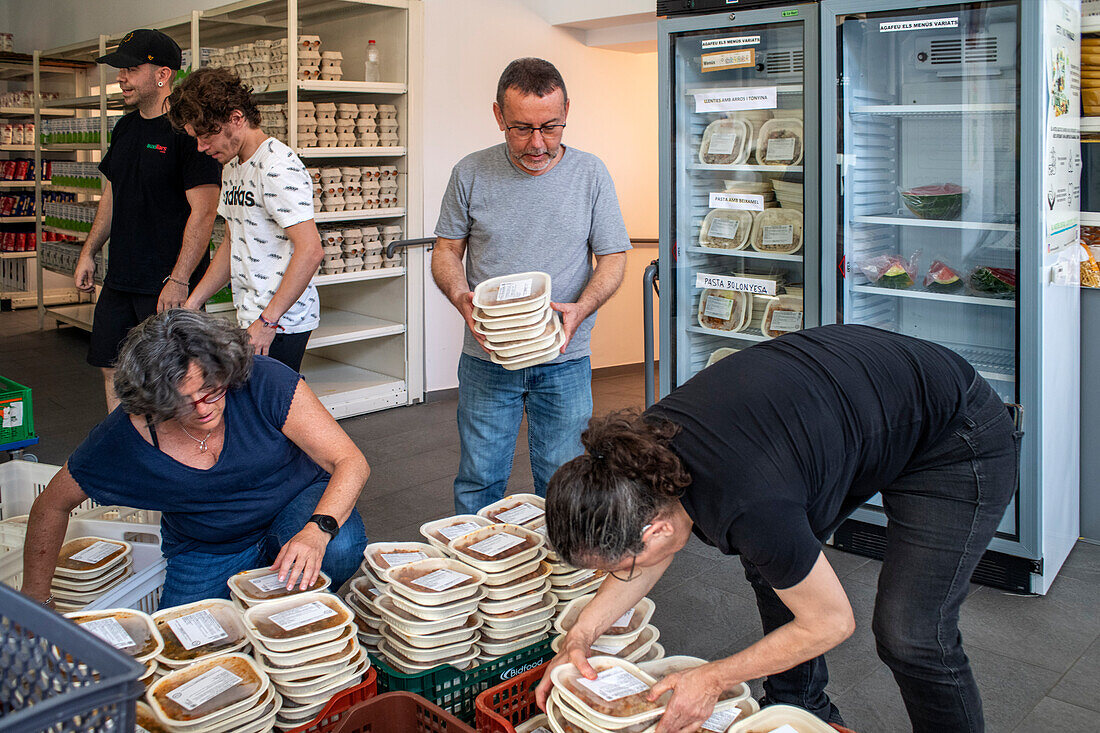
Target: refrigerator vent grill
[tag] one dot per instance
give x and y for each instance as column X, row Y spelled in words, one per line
column 975, row 50
column 784, row 62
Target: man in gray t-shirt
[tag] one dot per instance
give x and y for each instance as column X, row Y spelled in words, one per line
column 528, row 204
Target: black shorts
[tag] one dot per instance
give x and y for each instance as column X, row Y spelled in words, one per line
column 116, row 312
column 289, row 348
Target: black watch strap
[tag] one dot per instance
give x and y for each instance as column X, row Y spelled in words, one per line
column 327, row 524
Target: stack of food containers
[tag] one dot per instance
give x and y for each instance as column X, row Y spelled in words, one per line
column 252, row 587
column 429, row 609
column 631, row 637
column 518, row 604
column 306, row 644
column 88, row 567
column 223, row 693
column 512, row 313
column 378, row 557
column 196, row 631
column 131, row 632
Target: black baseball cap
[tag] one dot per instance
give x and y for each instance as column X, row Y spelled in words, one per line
column 144, row 46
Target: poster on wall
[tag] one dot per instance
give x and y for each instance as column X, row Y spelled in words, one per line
column 1062, row 138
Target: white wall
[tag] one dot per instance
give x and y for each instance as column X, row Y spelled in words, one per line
column 468, row 44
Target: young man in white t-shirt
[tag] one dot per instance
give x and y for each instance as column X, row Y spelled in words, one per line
column 272, row 248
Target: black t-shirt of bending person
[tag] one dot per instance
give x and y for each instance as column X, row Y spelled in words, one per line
column 151, row 167
column 784, row 439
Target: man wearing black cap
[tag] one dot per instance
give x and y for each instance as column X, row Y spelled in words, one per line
column 158, row 204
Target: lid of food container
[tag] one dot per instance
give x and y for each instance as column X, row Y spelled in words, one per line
column 207, row 691
column 263, row 584
column 197, row 630
column 130, row 631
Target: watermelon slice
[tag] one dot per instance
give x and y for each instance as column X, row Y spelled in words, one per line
column 994, row 280
column 896, row 275
column 940, row 201
column 942, row 279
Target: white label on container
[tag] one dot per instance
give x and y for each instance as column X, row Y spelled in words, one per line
column 514, row 289
column 206, row 686
column 95, row 552
column 196, row 629
column 110, row 631
column 718, row 307
column 13, row 414
column 721, row 719
column 918, row 25
column 780, row 148
column 737, row 284
column 785, row 728
column 606, row 649
column 744, row 201
column 778, row 235
column 731, row 41
column 583, row 575
column 734, row 100
column 723, row 228
column 397, row 559
column 496, row 544
column 541, row 531
column 294, row 618
column 524, row 512
column 457, row 530
column 785, row 321
column 614, row 683
column 721, row 143
column 268, row 583
column 441, row 579
column 624, row 619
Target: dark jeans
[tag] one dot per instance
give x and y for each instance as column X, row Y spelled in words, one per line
column 941, row 514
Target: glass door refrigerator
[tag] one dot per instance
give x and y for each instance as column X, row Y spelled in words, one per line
column 739, row 236
column 950, row 202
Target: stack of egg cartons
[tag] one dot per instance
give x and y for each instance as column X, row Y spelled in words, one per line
column 131, row 632
column 354, row 249
column 332, row 247
column 88, row 567
column 387, row 187
column 513, row 314
column 391, row 233
column 196, row 631
column 518, row 604
column 326, row 124
column 318, row 187
column 366, row 126
column 631, row 637
column 273, row 120
column 346, row 114
column 372, row 248
column 309, row 58
column 352, row 176
column 332, row 189
column 307, row 125
column 227, row 692
column 371, row 185
column 331, row 66
column 387, row 125
column 428, row 609
column 307, row 644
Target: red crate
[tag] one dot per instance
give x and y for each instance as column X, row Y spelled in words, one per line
column 399, row 712
column 499, row 709
column 340, row 704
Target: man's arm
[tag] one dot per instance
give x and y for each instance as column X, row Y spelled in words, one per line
column 605, row 280
column 217, row 274
column 450, row 277
column 84, row 275
column 46, row 527
column 196, row 238
column 303, row 265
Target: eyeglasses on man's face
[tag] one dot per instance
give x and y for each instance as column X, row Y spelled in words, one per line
column 630, row 575
column 524, row 132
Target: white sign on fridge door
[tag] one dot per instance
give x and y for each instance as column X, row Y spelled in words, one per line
column 734, row 100
column 1062, row 149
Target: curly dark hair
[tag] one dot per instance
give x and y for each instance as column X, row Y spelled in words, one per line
column 157, row 353
column 206, row 99
column 598, row 503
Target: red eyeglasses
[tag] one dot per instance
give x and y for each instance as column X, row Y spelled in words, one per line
column 210, row 398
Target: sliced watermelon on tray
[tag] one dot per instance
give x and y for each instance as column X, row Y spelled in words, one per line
column 938, row 201
column 994, row 280
column 942, row 279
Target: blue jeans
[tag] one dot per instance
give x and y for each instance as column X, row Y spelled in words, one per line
column 491, row 400
column 194, row 575
column 941, row 514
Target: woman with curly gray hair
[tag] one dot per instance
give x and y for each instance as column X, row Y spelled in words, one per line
column 245, row 464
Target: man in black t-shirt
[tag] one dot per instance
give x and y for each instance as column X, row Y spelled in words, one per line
column 157, row 207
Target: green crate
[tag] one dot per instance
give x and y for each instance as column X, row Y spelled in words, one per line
column 454, row 690
column 15, row 403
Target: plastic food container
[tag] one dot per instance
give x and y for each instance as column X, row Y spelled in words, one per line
column 333, row 684
column 382, row 556
column 307, row 655
column 724, row 310
column 783, row 314
column 409, row 666
column 262, row 584
column 515, row 603
column 625, row 630
column 492, row 324
column 298, row 622
column 572, row 720
column 460, row 608
column 777, row 231
column 88, row 558
column 775, row 716
column 625, row 709
column 497, row 547
column 780, row 142
column 435, row 581
column 148, row 721
column 510, row 294
column 245, row 721
column 321, row 665
column 424, row 655
column 725, row 142
column 410, row 624
column 441, row 531
column 207, row 691
column 550, row 335
column 198, row 630
column 131, row 632
column 468, row 630
column 530, row 616
column 89, row 589
column 498, row 649
column 510, row 336
column 531, row 577
column 575, row 578
column 726, row 229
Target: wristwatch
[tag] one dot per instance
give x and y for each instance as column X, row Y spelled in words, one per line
column 326, row 523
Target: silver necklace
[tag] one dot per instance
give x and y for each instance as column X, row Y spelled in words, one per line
column 202, row 443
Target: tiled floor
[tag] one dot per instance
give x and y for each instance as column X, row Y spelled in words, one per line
column 1037, row 659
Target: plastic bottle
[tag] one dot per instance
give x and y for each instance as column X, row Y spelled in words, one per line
column 372, row 72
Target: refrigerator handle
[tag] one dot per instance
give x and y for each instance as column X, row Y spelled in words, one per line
column 392, row 247
column 649, row 286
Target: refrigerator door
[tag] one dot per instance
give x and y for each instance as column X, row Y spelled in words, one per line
column 739, row 220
